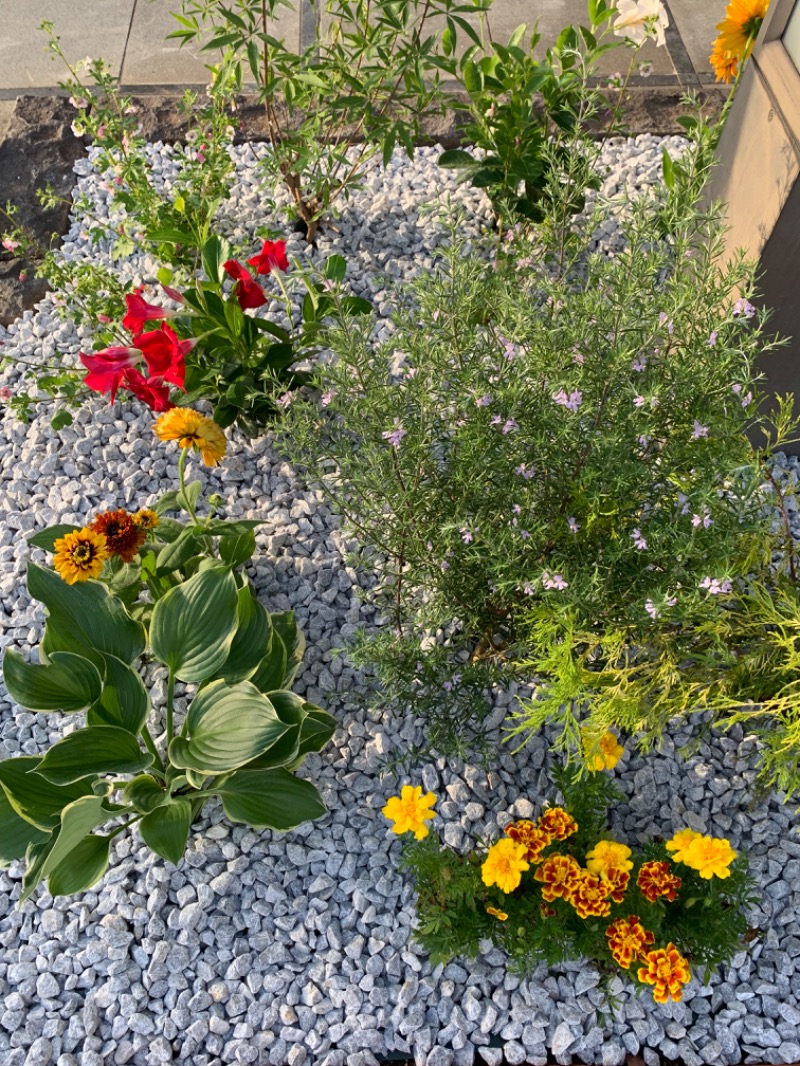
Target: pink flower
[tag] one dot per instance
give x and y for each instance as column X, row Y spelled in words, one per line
column 5, row 393
column 554, row 581
column 395, row 436
column 744, row 307
column 639, row 401
column 699, row 431
column 510, row 426
column 108, row 367
column 704, row 520
column 285, row 400
column 571, row 402
column 327, row 397
column 712, row 339
column 638, row 540
column 148, row 390
column 639, row 364
column 715, row 587
column 10, row 245
column 483, row 401
column 164, row 354
column 271, row 256
column 525, row 471
column 573, row 525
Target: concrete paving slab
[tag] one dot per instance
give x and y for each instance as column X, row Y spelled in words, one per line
column 150, row 59
column 697, row 23
column 98, row 28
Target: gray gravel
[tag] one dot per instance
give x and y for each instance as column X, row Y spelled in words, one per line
column 297, row 949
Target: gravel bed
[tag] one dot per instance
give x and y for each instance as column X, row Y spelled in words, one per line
column 261, row 948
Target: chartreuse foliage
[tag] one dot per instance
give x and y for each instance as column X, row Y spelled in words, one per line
column 182, row 604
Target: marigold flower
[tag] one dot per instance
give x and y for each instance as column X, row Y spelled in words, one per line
column 628, row 940
column 725, row 64
column 547, row 912
column 529, row 834
column 123, row 536
column 495, row 913
column 80, row 556
column 617, row 882
column 192, row 430
column 410, row 811
column 668, row 971
column 558, row 872
column 589, row 896
column 611, row 751
column 504, row 865
column 607, row 855
column 655, row 880
column 739, row 29
column 680, row 842
column 272, row 254
column 710, row 856
column 144, row 518
column 557, row 823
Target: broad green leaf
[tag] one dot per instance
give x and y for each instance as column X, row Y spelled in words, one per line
column 456, row 157
column 336, row 268
column 270, row 799
column 32, row 797
column 194, row 624
column 15, row 833
column 145, row 793
column 85, row 616
column 251, row 642
column 215, row 253
column 178, row 551
column 166, row 828
column 272, row 668
column 317, row 729
column 291, row 710
column 285, row 625
column 226, row 726
column 123, row 702
column 46, row 538
column 81, row 868
column 238, row 548
column 67, row 683
column 97, row 749
column 78, row 819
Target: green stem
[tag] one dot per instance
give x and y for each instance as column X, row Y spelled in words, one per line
column 150, row 744
column 121, row 828
column 182, row 478
column 170, row 697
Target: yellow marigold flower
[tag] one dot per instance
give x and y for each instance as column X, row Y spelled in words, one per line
column 192, row 430
column 656, row 879
column 739, row 29
column 529, row 834
column 628, row 940
column 589, row 896
column 145, row 518
column 680, row 842
column 504, row 865
column 558, row 873
column 557, row 823
column 501, row 916
column 80, row 555
column 611, row 751
column 725, row 64
column 608, row 855
column 710, row 856
column 668, row 971
column 410, row 811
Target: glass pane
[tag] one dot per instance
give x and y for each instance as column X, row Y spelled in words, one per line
column 791, row 36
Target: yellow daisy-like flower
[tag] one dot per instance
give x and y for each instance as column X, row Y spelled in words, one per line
column 410, row 811
column 505, row 865
column 739, row 29
column 501, row 916
column 145, row 519
column 725, row 64
column 80, row 556
column 608, row 855
column 710, row 856
column 680, row 842
column 611, row 751
column 192, row 430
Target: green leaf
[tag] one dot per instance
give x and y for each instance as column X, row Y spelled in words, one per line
column 238, row 548
column 67, row 683
column 145, row 793
column 179, row 551
column 219, row 527
column 166, row 828
column 270, row 799
column 456, row 157
column 291, row 711
column 77, row 820
column 188, row 500
column 272, row 668
column 85, row 618
column 60, row 420
column 668, row 168
column 33, row 798
column 317, row 729
column 215, row 253
column 226, row 726
column 123, row 702
column 284, row 624
column 251, row 642
column 97, row 749
column 82, row 868
column 194, row 624
column 46, row 538
column 336, row 268
column 15, row 833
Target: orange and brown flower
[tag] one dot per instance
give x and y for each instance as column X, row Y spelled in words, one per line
column 529, row 834
column 617, row 882
column 668, row 971
column 628, row 940
column 557, row 823
column 589, row 896
column 558, row 872
column 656, row 879
column 123, row 535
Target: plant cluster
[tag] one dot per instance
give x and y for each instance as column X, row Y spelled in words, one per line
column 141, row 586
column 559, row 888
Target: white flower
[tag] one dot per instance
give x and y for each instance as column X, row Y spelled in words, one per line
column 639, row 19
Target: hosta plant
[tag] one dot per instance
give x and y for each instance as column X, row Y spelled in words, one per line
column 130, row 596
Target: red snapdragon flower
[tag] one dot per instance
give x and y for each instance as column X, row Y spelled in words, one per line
column 139, row 312
column 272, row 254
column 164, row 354
column 107, row 368
column 247, row 291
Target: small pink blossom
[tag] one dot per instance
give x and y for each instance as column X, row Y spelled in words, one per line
column 10, row 245
column 554, row 581
column 705, row 520
column 639, row 401
column 468, row 535
column 572, row 524
column 510, row 426
column 285, row 400
column 712, row 339
column 571, row 402
column 716, row 587
column 483, row 401
column 699, row 430
column 5, row 393
column 395, row 436
column 79, row 102
column 638, row 540
column 525, row 471
column 326, row 397
column 744, row 307
column 528, row 588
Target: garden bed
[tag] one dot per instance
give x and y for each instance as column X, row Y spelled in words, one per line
column 298, row 948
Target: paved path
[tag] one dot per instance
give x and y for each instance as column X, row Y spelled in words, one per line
column 130, row 35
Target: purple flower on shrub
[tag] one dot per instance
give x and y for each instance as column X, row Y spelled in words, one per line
column 528, row 589
column 571, row 402
column 525, row 471
column 662, row 318
column 639, row 401
column 554, row 581
column 639, row 364
column 483, row 401
column 467, row 535
column 572, row 525
column 715, row 587
column 394, row 436
column 699, row 430
column 644, row 440
column 703, row 519
column 638, row 540
column 327, row 397
column 510, row 426
column 712, row 340
column 743, row 307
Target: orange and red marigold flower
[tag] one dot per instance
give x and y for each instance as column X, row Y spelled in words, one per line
column 557, row 823
column 668, row 971
column 531, row 836
column 628, row 940
column 656, row 879
column 589, row 896
column 558, row 872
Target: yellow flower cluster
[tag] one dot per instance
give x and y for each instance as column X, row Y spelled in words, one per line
column 507, row 860
column 602, row 754
column 710, row 856
column 737, row 35
column 410, row 811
